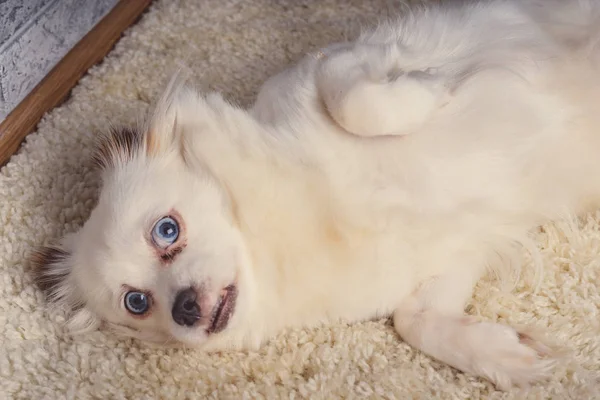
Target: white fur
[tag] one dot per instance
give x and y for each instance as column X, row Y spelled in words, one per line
column 377, row 177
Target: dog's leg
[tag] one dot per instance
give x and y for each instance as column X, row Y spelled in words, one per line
column 432, row 320
column 368, row 92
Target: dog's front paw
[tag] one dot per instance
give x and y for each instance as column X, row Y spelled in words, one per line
column 503, row 355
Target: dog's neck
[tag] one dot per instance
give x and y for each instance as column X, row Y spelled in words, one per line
column 282, row 206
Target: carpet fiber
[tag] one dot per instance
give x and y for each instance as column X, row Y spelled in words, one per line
column 49, row 187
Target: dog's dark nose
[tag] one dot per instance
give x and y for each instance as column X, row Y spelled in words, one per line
column 185, row 310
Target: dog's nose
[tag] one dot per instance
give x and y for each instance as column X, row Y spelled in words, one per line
column 186, row 310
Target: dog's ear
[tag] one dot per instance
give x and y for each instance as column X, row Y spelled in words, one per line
column 52, row 268
column 179, row 106
column 160, row 133
column 162, row 130
column 117, row 146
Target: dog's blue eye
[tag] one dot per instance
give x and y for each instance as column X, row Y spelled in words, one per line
column 137, row 303
column 165, row 232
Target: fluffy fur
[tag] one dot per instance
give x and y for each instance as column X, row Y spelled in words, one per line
column 377, row 177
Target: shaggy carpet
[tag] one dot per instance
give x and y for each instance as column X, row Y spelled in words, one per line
column 49, row 187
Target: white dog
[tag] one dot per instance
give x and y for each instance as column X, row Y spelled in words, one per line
column 378, row 177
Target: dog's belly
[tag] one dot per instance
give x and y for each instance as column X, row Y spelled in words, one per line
column 355, row 266
column 330, row 271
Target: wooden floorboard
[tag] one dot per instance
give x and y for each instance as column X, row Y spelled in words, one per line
column 57, row 85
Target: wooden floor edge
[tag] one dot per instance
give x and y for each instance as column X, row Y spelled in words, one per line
column 57, row 85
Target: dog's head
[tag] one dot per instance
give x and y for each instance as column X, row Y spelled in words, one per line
column 160, row 257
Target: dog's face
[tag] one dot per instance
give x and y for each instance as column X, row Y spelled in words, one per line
column 160, row 257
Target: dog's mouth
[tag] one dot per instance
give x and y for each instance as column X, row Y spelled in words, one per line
column 223, row 310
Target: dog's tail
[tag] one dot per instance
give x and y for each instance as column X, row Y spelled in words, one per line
column 574, row 23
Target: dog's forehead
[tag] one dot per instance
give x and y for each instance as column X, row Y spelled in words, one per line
column 139, row 193
column 131, row 198
column 141, row 182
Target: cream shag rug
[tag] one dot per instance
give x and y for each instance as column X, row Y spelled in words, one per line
column 49, row 188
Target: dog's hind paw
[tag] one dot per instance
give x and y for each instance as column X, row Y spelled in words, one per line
column 391, row 102
column 505, row 356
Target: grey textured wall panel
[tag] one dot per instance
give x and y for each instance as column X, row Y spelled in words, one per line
column 16, row 13
column 35, row 35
